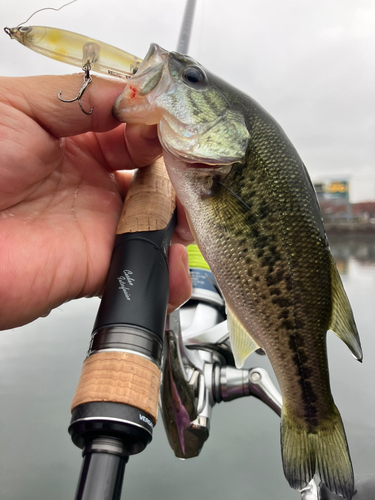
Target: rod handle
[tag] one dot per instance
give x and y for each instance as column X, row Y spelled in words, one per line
column 150, row 202
column 123, row 363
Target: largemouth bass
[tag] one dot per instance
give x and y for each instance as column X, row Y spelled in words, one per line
column 256, row 219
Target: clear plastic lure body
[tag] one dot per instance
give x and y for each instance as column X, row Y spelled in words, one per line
column 75, row 49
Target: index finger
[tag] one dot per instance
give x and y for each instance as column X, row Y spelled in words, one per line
column 36, row 96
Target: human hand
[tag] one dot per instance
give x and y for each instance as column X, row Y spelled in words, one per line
column 61, row 194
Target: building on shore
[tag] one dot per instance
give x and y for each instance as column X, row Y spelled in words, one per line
column 341, row 216
column 333, row 196
column 365, row 211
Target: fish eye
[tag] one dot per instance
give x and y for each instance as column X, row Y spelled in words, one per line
column 194, row 77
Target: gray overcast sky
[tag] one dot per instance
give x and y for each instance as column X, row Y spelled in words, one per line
column 310, row 63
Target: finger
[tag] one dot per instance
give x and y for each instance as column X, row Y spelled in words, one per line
column 179, row 277
column 37, row 98
column 134, row 148
column 182, row 233
column 28, row 155
column 142, row 144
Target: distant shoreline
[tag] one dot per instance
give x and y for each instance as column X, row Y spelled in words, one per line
column 350, row 229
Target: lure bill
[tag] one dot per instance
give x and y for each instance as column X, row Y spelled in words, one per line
column 77, row 50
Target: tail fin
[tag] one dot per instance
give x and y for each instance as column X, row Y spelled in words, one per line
column 323, row 451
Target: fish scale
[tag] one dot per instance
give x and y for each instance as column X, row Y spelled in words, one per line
column 254, row 214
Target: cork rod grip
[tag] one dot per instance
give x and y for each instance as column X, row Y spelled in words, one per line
column 119, row 377
column 123, row 377
column 150, row 201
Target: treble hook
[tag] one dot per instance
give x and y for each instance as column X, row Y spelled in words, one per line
column 86, row 81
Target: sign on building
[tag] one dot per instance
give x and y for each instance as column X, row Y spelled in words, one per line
column 330, row 190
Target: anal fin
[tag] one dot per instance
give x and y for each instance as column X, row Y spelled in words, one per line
column 342, row 320
column 241, row 342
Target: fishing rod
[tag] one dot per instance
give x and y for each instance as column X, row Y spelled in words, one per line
column 115, row 405
column 186, row 27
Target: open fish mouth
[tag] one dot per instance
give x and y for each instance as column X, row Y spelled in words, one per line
column 136, row 104
column 150, row 71
column 152, row 96
column 173, row 91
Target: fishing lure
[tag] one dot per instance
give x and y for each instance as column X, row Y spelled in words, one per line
column 77, row 50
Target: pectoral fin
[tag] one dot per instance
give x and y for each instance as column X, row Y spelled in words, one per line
column 342, row 321
column 242, row 343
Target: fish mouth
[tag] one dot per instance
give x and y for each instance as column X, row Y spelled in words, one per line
column 146, row 100
column 136, row 103
column 155, row 57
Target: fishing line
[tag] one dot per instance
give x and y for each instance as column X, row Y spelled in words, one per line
column 45, row 8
